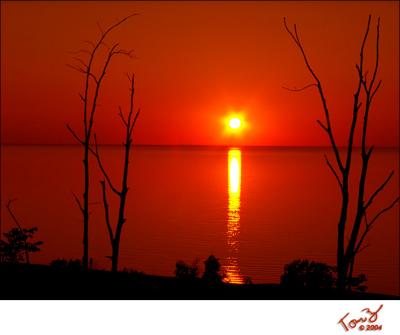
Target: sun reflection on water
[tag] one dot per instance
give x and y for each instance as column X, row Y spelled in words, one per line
column 233, row 274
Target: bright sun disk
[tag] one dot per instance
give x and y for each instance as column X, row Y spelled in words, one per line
column 234, row 123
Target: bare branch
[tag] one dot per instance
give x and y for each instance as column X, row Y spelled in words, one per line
column 96, row 154
column 80, row 61
column 358, row 248
column 362, row 249
column 84, row 71
column 383, row 211
column 369, row 152
column 99, row 80
column 106, row 211
column 77, row 68
column 12, row 213
column 334, row 172
column 296, row 39
column 134, row 122
column 78, row 202
column 376, row 55
column 75, row 135
column 122, row 116
column 363, row 43
column 91, row 75
column 376, row 89
column 378, row 190
column 299, row 89
column 370, row 225
column 323, row 126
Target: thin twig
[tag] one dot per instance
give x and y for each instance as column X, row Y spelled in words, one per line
column 77, row 201
column 299, row 89
column 74, row 134
column 378, row 190
column 384, row 210
column 334, row 172
column 12, row 213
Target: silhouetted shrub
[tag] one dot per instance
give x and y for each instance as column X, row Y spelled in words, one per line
column 212, row 271
column 357, row 283
column 313, row 275
column 247, row 280
column 18, row 245
column 301, row 274
column 186, row 271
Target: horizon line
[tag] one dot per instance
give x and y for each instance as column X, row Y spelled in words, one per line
column 202, row 146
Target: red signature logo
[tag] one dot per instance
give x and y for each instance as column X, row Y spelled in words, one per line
column 365, row 321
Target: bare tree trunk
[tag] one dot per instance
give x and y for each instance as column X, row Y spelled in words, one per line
column 340, row 261
column 89, row 110
column 85, row 241
column 115, row 238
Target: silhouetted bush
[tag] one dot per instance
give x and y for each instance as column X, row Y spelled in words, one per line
column 186, row 271
column 18, row 245
column 212, row 271
column 357, row 283
column 301, row 274
column 248, row 280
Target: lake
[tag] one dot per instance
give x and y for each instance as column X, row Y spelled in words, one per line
column 255, row 209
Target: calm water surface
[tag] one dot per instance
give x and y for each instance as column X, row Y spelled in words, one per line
column 255, row 209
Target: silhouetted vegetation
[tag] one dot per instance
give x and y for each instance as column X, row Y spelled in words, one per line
column 357, row 283
column 93, row 82
column 186, row 271
column 19, row 241
column 303, row 274
column 68, row 281
column 212, row 271
column 72, row 265
column 248, row 280
column 18, row 244
column 366, row 89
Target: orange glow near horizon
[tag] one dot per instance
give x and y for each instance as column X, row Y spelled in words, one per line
column 188, row 91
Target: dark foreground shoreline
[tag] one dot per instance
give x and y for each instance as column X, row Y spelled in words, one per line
column 42, row 282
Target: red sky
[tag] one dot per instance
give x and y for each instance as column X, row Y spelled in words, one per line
column 196, row 62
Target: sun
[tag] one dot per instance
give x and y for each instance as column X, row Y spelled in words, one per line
column 235, row 123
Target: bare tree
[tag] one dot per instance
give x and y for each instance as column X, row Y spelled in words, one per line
column 346, row 254
column 93, row 81
column 18, row 241
column 129, row 124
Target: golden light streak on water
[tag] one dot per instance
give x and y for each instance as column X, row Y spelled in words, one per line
column 233, row 274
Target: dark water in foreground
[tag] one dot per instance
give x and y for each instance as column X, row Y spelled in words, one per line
column 255, row 209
